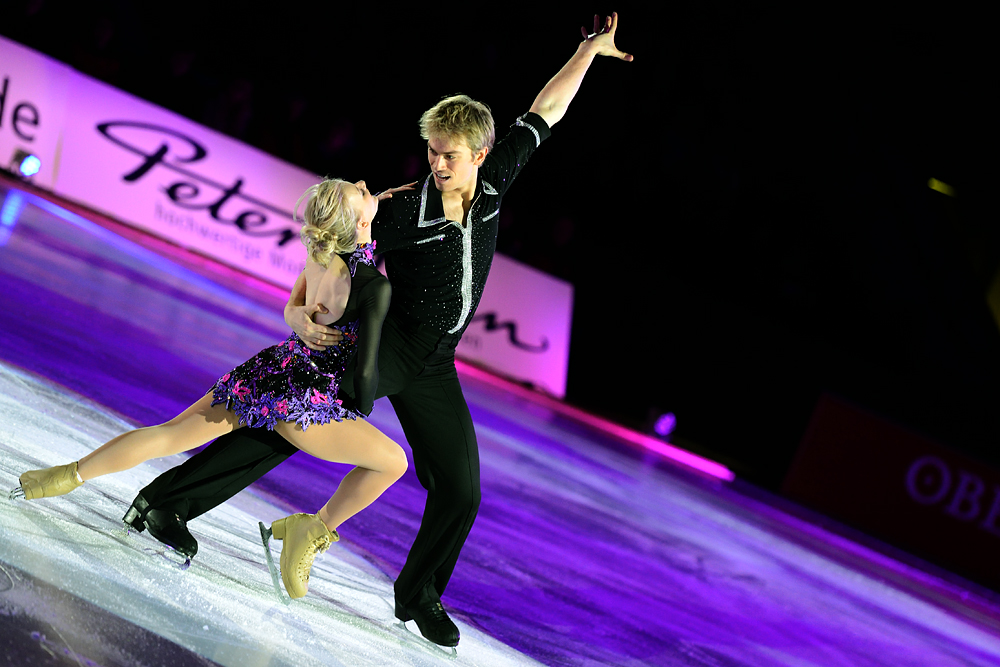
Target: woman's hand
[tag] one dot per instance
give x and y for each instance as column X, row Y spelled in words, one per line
column 315, row 336
column 387, row 194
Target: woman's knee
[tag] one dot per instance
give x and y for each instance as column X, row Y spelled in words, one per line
column 397, row 462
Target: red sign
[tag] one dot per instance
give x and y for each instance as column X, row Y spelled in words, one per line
column 900, row 486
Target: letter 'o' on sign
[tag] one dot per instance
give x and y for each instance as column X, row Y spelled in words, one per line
column 928, row 480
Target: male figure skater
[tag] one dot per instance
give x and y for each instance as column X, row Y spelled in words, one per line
column 438, row 241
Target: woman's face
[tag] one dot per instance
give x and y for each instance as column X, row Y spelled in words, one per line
column 362, row 201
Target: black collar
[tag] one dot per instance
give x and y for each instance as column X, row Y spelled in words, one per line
column 431, row 207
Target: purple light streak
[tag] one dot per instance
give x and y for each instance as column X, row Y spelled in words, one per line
column 664, row 449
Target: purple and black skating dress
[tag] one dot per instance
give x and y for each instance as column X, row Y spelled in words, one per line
column 291, row 382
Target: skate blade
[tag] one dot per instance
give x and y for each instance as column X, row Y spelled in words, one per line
column 449, row 652
column 16, row 494
column 265, row 537
column 175, row 558
column 124, row 531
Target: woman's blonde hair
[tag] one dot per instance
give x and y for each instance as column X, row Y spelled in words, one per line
column 330, row 225
column 460, row 116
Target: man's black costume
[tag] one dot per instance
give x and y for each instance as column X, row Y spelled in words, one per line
column 437, row 269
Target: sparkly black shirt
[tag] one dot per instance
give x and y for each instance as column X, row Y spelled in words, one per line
column 437, row 267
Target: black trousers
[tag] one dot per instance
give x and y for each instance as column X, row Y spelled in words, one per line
column 417, row 373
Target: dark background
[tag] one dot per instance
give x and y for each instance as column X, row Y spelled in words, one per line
column 743, row 210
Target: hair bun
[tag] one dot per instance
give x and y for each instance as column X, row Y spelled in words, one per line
column 318, row 241
column 330, row 226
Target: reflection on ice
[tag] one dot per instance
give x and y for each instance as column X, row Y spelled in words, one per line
column 223, row 607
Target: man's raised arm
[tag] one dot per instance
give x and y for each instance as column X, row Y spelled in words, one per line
column 552, row 102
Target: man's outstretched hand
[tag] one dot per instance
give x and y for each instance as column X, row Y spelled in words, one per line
column 603, row 37
column 553, row 100
column 387, row 194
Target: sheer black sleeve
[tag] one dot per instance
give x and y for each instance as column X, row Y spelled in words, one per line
column 374, row 304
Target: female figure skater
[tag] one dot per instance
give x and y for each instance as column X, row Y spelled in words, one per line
column 290, row 388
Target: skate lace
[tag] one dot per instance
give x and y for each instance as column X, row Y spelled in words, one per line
column 437, row 614
column 318, row 546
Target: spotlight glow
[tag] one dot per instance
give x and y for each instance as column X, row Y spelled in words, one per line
column 941, row 186
column 665, row 425
column 30, row 165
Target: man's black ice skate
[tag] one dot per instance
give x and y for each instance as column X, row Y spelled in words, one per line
column 165, row 526
column 432, row 619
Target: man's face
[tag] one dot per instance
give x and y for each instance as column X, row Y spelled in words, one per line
column 453, row 163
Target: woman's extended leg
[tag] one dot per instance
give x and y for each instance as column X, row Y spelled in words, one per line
column 195, row 426
column 379, row 461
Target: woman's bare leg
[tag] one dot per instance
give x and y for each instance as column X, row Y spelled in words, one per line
column 379, row 461
column 195, row 426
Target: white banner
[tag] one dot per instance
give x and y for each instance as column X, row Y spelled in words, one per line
column 202, row 190
column 33, row 92
column 522, row 326
column 151, row 167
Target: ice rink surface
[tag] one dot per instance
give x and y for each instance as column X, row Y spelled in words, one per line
column 223, row 607
column 584, row 553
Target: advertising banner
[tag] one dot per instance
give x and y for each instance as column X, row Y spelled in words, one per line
column 152, row 168
column 901, row 487
column 522, row 326
column 178, row 180
column 33, row 92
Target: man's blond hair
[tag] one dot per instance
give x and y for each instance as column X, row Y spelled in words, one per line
column 462, row 117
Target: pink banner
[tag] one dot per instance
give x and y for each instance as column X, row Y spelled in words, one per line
column 33, row 92
column 522, row 326
column 151, row 167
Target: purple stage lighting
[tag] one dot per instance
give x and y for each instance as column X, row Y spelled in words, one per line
column 12, row 206
column 665, row 425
